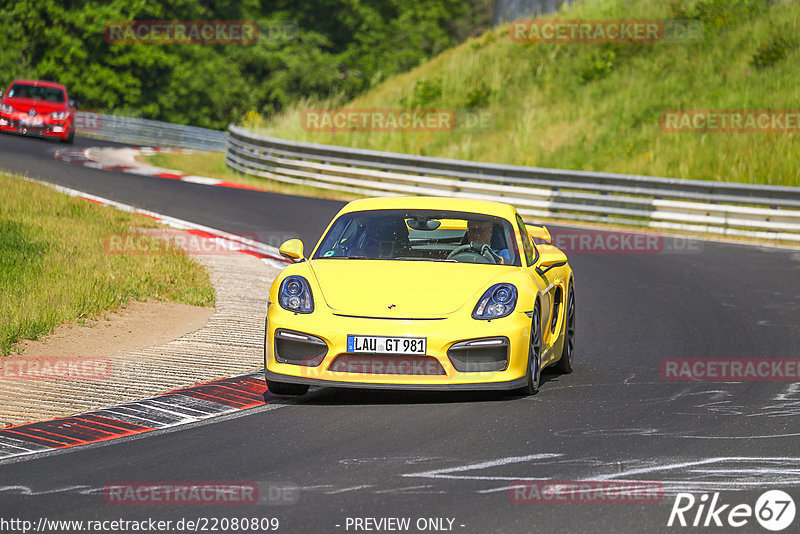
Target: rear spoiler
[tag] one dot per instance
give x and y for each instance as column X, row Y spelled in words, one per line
column 539, row 232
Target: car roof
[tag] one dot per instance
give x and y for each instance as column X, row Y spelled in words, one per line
column 40, row 83
column 486, row 207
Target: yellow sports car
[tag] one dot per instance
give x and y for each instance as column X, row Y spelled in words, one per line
column 421, row 293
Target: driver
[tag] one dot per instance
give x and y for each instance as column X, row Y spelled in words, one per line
column 481, row 231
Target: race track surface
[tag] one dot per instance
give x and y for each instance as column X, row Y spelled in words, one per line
column 378, row 454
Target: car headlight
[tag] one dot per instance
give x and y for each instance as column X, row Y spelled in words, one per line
column 295, row 295
column 498, row 301
column 5, row 108
column 59, row 115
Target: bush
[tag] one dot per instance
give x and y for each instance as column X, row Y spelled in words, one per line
column 425, row 93
column 770, row 53
column 478, row 96
column 599, row 65
column 721, row 12
column 253, row 120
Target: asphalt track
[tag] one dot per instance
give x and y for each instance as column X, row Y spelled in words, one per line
column 377, row 454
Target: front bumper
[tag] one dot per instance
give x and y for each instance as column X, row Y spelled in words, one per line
column 476, row 386
column 45, row 128
column 441, row 335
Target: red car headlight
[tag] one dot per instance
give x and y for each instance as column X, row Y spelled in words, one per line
column 59, row 115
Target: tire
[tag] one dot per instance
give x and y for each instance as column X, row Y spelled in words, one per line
column 282, row 388
column 564, row 364
column 534, row 374
column 70, row 139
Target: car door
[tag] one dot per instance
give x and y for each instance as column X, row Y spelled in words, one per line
column 539, row 283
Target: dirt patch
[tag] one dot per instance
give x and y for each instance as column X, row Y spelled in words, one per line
column 135, row 326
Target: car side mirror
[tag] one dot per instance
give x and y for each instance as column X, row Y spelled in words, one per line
column 550, row 258
column 292, row 249
column 73, row 103
column 539, row 232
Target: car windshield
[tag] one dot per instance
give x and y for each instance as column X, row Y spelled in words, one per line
column 36, row 92
column 421, row 235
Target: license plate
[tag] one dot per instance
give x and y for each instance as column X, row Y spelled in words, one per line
column 387, row 345
column 26, row 122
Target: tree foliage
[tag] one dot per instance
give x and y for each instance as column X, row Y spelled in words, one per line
column 304, row 49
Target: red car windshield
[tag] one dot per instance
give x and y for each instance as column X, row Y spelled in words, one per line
column 36, row 92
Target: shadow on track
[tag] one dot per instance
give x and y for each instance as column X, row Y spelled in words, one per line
column 330, row 396
column 41, row 138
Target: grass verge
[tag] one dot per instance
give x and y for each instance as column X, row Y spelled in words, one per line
column 54, row 267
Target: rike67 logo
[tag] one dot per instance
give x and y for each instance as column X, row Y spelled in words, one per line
column 774, row 510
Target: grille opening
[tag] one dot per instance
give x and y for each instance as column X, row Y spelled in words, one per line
column 383, row 364
column 479, row 355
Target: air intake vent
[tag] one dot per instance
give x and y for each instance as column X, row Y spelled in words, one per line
column 480, row 355
column 298, row 348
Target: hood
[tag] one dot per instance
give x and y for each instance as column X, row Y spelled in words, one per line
column 42, row 107
column 417, row 289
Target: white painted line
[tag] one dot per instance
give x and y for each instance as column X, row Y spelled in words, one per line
column 143, row 171
column 345, row 490
column 134, row 417
column 446, row 472
column 25, row 490
column 197, row 411
column 12, row 443
column 150, row 407
column 201, row 180
column 400, row 490
column 706, row 461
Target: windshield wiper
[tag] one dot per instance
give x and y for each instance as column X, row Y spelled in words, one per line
column 426, row 259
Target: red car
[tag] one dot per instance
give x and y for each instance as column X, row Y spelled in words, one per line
column 38, row 108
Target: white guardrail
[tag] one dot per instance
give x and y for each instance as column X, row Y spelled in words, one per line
column 732, row 209
column 147, row 132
